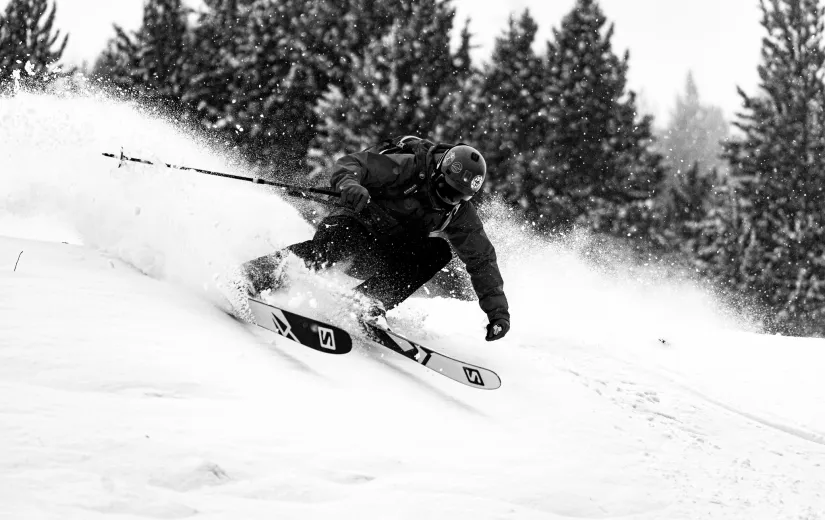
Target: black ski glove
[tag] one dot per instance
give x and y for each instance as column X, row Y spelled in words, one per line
column 355, row 196
column 497, row 329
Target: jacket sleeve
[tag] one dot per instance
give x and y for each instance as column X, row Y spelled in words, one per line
column 467, row 236
column 372, row 170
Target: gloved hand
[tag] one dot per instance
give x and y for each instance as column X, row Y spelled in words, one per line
column 497, row 329
column 355, row 196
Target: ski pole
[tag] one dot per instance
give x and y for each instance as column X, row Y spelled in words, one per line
column 295, row 191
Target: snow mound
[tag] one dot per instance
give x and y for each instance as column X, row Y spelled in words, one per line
column 125, row 390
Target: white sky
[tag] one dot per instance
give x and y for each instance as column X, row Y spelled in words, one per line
column 719, row 40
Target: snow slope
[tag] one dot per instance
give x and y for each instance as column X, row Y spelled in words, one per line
column 126, row 392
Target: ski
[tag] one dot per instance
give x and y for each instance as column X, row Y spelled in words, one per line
column 465, row 373
column 330, row 339
column 314, row 334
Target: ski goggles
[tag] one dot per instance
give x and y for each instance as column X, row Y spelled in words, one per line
column 447, row 193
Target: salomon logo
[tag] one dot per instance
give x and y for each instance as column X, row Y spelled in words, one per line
column 282, row 325
column 327, row 338
column 473, row 376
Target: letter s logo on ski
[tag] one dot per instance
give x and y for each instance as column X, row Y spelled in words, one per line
column 326, row 337
column 473, row 376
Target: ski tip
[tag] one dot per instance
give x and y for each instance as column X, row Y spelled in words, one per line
column 481, row 378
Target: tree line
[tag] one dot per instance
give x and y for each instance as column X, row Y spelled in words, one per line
column 292, row 84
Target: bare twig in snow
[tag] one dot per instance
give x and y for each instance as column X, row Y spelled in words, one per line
column 18, row 261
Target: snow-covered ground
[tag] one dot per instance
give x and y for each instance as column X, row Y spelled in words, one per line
column 125, row 390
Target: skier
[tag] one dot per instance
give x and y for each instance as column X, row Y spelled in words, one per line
column 399, row 205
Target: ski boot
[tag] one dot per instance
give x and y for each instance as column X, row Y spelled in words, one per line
column 265, row 273
column 251, row 279
column 373, row 316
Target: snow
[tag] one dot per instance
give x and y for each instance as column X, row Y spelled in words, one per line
column 126, row 392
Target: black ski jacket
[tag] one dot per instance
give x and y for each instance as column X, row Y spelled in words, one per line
column 401, row 204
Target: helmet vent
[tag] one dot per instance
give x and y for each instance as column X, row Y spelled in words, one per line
column 474, row 157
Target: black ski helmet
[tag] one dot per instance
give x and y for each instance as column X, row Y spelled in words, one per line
column 460, row 174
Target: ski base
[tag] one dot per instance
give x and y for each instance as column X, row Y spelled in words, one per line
column 311, row 333
column 459, row 371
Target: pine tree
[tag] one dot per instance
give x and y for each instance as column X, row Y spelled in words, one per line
column 600, row 170
column 27, row 34
column 270, row 109
column 462, row 62
column 708, row 239
column 215, row 61
column 695, row 133
column 774, row 223
column 692, row 148
column 152, row 61
column 461, row 99
column 334, row 31
column 684, row 204
column 512, row 126
column 291, row 51
column 395, row 87
column 462, row 112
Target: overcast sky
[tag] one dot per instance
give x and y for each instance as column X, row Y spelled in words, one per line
column 719, row 40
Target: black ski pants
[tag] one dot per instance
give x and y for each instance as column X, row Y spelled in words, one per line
column 392, row 268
